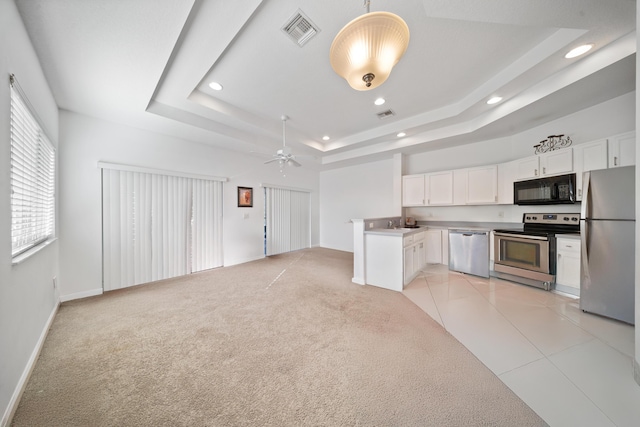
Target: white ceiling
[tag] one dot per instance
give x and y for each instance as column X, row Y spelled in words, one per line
column 147, row 63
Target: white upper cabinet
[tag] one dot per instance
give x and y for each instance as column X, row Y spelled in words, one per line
column 506, row 176
column 460, row 187
column 587, row 157
column 622, row 150
column 439, row 188
column 482, row 185
column 556, row 162
column 527, row 168
column 552, row 163
column 413, row 190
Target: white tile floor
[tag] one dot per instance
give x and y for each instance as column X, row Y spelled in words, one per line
column 572, row 368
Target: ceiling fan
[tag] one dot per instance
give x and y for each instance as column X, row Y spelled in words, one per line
column 284, row 156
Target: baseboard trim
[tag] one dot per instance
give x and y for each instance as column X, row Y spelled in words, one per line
column 83, row 294
column 24, row 378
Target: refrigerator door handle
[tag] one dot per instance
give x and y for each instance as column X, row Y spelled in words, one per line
column 586, row 196
column 584, row 263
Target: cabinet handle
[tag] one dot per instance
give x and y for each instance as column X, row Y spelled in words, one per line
column 559, row 255
column 544, row 170
column 615, row 160
column 428, row 201
column 495, row 198
column 535, row 172
column 580, row 192
column 569, row 246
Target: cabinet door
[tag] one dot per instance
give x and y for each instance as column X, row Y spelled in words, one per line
column 506, row 176
column 557, row 162
column 482, row 185
column 409, row 267
column 622, row 150
column 418, row 257
column 433, row 251
column 413, row 190
column 460, row 187
column 445, row 247
column 529, row 167
column 587, row 157
column 440, row 190
column 568, row 263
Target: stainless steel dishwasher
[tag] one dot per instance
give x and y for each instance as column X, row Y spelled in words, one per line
column 469, row 251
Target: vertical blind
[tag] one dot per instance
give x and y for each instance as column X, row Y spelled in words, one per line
column 32, row 179
column 158, row 226
column 287, row 220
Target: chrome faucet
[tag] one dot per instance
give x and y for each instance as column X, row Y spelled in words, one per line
column 390, row 224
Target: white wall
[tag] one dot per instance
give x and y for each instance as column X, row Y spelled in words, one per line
column 362, row 191
column 85, row 141
column 636, row 364
column 27, row 297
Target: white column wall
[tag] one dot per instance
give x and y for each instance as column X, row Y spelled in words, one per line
column 362, row 191
column 85, row 141
column 27, row 296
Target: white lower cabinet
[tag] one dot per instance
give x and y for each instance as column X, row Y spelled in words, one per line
column 568, row 265
column 414, row 255
column 436, row 246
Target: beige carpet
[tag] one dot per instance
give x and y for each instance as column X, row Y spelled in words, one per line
column 283, row 341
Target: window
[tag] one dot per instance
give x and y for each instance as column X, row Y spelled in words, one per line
column 32, row 178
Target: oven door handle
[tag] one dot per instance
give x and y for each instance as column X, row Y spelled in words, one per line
column 520, row 236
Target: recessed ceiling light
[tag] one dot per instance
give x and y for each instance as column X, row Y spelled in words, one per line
column 326, row 138
column 401, row 134
column 494, row 100
column 215, row 86
column 578, row 51
column 379, row 101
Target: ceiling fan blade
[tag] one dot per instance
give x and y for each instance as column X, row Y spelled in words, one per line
column 292, row 162
column 272, row 160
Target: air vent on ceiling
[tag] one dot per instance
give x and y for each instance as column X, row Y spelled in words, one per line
column 300, row 28
column 385, row 114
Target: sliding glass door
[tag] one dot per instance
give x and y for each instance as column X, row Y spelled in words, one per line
column 287, row 220
column 158, row 226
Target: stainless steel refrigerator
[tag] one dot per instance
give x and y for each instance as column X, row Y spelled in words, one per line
column 607, row 229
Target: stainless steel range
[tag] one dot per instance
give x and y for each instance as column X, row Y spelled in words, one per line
column 528, row 255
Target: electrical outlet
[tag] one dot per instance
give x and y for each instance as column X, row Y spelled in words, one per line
column 370, row 225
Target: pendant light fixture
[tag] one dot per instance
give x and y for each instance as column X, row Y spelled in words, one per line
column 367, row 48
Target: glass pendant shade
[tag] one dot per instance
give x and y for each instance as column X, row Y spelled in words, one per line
column 367, row 48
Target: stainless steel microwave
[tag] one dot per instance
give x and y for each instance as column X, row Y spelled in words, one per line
column 552, row 190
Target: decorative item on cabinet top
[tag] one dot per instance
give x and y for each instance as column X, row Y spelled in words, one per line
column 553, row 142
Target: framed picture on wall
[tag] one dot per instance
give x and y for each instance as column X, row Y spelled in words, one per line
column 245, row 197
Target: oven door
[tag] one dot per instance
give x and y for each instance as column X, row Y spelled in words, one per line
column 522, row 251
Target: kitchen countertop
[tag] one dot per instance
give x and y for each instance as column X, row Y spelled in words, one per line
column 394, row 231
column 471, row 225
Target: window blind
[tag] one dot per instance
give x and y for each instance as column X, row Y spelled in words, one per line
column 158, row 226
column 32, row 179
column 287, row 220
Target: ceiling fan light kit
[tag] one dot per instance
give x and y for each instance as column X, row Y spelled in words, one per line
column 284, row 156
column 365, row 51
